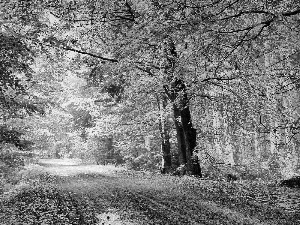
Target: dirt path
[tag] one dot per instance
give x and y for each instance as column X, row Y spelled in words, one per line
column 124, row 198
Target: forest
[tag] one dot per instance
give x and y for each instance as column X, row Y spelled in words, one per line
column 185, row 89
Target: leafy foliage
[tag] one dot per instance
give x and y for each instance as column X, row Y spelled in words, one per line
column 15, row 100
column 13, row 136
column 14, row 76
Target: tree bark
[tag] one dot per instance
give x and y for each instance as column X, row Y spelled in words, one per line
column 190, row 136
column 109, row 148
column 177, row 93
column 165, row 136
column 180, row 136
column 186, row 134
column 166, row 152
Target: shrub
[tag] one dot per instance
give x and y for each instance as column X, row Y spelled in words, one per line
column 10, row 162
column 146, row 161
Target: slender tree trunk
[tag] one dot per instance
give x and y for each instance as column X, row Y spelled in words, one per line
column 180, row 136
column 109, row 147
column 166, row 152
column 165, row 137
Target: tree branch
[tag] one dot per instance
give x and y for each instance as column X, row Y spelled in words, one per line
column 248, row 12
column 148, row 71
column 228, row 6
column 88, row 53
column 291, row 13
column 264, row 23
column 218, row 79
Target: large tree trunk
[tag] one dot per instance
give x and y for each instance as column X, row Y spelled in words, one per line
column 177, row 93
column 186, row 137
column 186, row 134
column 190, row 136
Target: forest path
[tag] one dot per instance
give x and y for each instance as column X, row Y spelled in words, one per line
column 123, row 197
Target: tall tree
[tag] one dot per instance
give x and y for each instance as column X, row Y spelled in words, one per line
column 192, row 48
column 177, row 94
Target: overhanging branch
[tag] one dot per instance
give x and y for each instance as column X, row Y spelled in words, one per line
column 88, row 53
column 219, row 79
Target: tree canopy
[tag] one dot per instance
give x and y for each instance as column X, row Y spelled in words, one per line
column 200, row 76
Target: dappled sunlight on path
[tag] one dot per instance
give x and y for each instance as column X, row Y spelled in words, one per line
column 72, row 167
column 112, row 217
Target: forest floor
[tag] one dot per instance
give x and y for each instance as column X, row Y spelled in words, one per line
column 125, row 197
